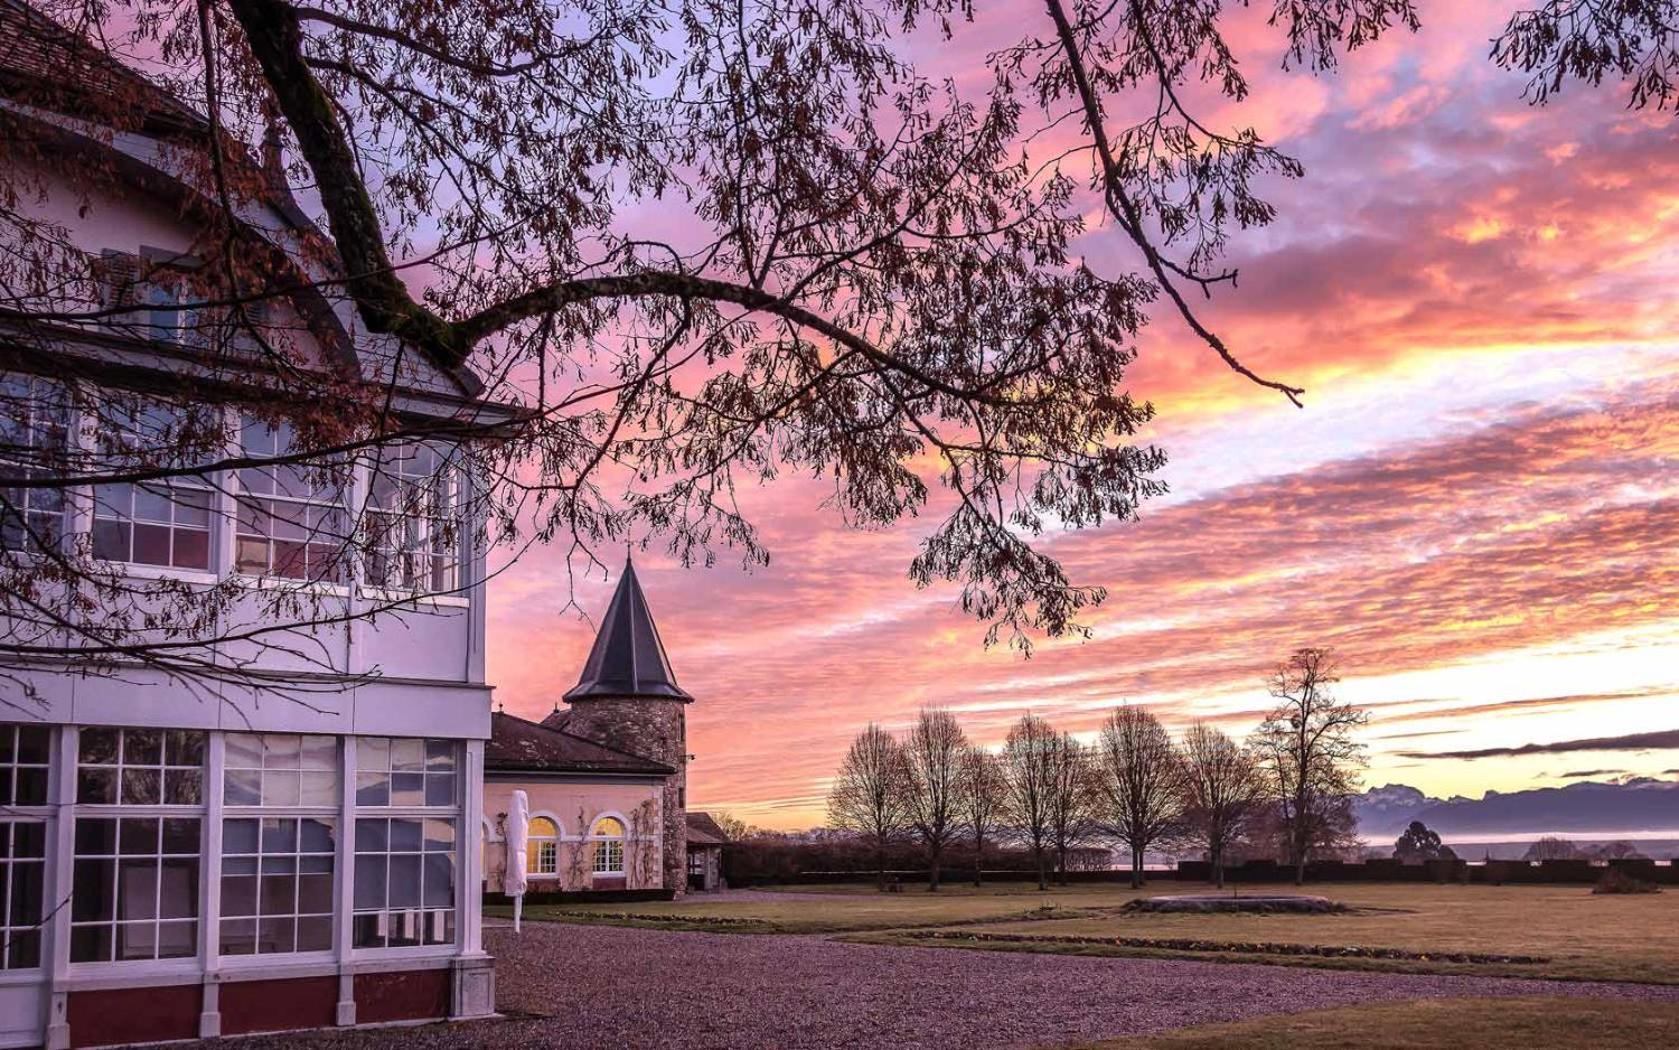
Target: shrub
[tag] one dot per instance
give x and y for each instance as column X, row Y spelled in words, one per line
column 1616, row 881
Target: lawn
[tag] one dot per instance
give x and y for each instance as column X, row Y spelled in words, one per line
column 1579, row 935
column 843, row 908
column 1533, row 1024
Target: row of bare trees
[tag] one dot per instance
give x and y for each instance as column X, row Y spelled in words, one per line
column 1286, row 788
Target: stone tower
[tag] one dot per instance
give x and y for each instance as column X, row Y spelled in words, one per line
column 628, row 698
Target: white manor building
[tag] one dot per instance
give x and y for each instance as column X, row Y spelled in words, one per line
column 175, row 862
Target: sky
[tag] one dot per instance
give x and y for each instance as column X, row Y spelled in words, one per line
column 1478, row 508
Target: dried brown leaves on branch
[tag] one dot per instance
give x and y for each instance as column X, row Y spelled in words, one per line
column 685, row 245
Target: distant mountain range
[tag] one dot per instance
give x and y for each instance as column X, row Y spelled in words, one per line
column 1589, row 807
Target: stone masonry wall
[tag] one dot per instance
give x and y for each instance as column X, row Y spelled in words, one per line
column 655, row 729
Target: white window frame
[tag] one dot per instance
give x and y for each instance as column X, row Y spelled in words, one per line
column 116, row 502
column 453, row 812
column 263, row 499
column 412, row 517
column 602, row 844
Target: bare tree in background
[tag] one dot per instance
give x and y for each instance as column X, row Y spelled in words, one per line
column 982, row 800
column 1030, row 760
column 1309, row 755
column 1071, row 799
column 857, row 269
column 1589, row 40
column 1222, row 792
column 870, row 795
column 1141, row 782
column 933, row 756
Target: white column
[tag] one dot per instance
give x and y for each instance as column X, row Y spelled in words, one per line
column 469, row 912
column 210, row 885
column 344, row 876
column 61, row 850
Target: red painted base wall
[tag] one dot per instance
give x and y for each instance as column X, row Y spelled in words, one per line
column 418, row 995
column 134, row 1015
column 274, row 1006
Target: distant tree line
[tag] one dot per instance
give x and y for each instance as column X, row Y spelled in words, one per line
column 1284, row 792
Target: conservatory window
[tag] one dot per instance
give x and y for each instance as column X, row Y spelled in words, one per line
column 608, row 837
column 34, row 429
column 165, row 521
column 25, row 758
column 280, row 769
column 135, row 893
column 291, row 520
column 542, row 855
column 407, row 823
column 277, row 884
column 140, row 767
column 23, row 851
column 412, row 518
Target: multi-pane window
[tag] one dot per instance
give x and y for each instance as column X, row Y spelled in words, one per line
column 140, row 767
column 542, row 850
column 277, row 885
column 23, row 850
column 135, row 893
column 278, row 769
column 34, row 429
column 25, row 756
column 165, row 521
column 291, row 520
column 407, row 793
column 405, row 771
column 405, row 881
column 413, row 535
column 608, row 837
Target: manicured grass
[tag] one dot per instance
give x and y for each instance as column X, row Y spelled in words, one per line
column 1581, row 936
column 1532, row 1024
column 842, row 909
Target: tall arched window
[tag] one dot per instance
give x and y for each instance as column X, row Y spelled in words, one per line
column 542, row 853
column 608, row 837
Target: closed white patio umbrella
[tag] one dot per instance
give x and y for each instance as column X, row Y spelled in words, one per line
column 518, row 843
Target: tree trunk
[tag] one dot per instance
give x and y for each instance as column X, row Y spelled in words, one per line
column 880, row 866
column 979, row 856
column 1136, row 868
column 1060, row 864
column 933, row 871
column 1218, row 868
column 1043, row 877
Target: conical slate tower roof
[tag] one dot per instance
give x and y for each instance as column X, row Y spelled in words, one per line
column 628, row 659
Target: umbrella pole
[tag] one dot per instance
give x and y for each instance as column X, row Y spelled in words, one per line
column 518, row 910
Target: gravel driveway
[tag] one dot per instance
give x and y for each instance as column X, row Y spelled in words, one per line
column 606, row 986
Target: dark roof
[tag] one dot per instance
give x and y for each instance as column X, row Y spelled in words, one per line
column 703, row 831
column 516, row 745
column 47, row 65
column 557, row 718
column 628, row 658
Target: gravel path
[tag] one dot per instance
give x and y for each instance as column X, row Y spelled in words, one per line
column 613, row 986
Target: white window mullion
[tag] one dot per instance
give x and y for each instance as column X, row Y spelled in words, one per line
column 210, row 887
column 345, row 862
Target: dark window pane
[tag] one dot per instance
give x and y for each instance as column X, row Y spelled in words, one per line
column 29, row 839
column 439, row 890
column 192, row 549
column 368, row 931
column 278, row 892
column 141, row 787
column 180, row 836
column 244, row 787
column 317, row 836
column 370, row 881
column 186, row 747
column 151, row 544
column 440, row 789
column 183, row 787
column 440, row 756
column 239, row 836
column 372, row 835
column 139, row 836
column 110, row 540
column 314, row 934
column 373, row 789
column 142, row 747
column 239, row 895
column 96, row 786
column 405, row 836
column 8, row 734
column 33, row 744
column 26, row 893
column 96, row 836
column 314, row 893
column 98, row 747
column 94, row 893
column 90, row 943
column 239, row 936
column 279, row 836
column 24, row 951
column 405, row 880
column 276, row 934
column 31, row 787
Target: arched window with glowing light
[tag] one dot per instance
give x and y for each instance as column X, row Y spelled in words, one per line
column 608, row 839
column 542, row 853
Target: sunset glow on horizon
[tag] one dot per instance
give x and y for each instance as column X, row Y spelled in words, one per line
column 1478, row 508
